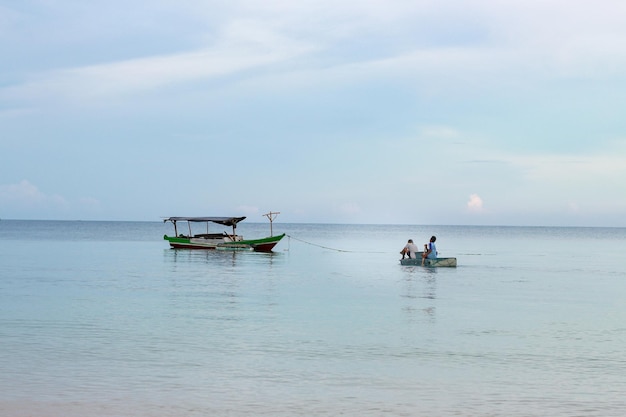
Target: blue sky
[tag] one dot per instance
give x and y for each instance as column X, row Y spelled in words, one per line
column 410, row 112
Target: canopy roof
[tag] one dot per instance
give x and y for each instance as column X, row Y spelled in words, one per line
column 226, row 221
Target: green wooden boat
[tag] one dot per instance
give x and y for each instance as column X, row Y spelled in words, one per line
column 221, row 241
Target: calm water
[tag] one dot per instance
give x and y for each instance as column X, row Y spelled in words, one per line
column 103, row 319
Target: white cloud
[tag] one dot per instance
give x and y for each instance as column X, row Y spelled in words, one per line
column 243, row 46
column 24, row 200
column 23, row 193
column 475, row 203
column 533, row 38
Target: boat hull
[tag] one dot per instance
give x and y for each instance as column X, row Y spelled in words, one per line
column 259, row 245
column 439, row 262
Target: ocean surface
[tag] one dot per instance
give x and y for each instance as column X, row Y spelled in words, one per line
column 101, row 319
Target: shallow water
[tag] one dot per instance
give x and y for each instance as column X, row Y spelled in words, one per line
column 103, row 319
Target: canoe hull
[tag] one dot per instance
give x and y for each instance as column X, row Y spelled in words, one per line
column 439, row 262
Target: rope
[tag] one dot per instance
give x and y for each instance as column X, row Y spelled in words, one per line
column 326, row 247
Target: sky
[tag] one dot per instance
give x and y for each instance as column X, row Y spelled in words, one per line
column 483, row 112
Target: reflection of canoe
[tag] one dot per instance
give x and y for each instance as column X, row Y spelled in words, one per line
column 429, row 262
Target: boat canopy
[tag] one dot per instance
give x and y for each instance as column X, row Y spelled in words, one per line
column 226, row 221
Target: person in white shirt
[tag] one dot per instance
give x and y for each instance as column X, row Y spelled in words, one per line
column 409, row 249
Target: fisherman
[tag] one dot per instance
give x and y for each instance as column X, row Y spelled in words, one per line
column 430, row 249
column 409, row 250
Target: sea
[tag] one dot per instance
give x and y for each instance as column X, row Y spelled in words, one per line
column 103, row 319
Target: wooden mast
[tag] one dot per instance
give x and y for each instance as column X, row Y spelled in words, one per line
column 271, row 216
